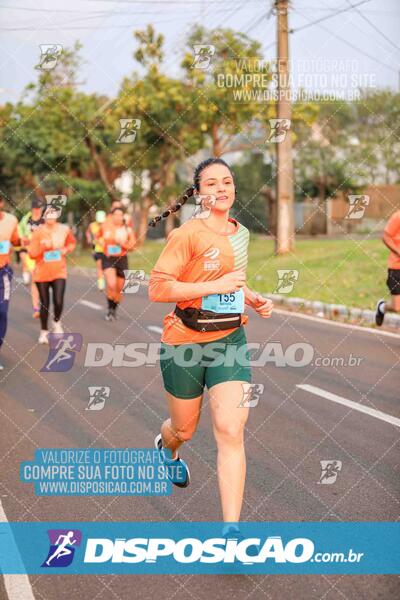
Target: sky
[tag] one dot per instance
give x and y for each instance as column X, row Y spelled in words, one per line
column 360, row 42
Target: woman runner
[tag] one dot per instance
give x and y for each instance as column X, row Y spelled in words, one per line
column 117, row 239
column 203, row 266
column 49, row 245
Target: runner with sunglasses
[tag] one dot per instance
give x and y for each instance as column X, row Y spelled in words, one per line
column 203, row 269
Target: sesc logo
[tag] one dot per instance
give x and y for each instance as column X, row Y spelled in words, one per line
column 192, row 550
column 62, row 547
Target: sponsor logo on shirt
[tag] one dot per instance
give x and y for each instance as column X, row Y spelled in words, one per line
column 212, row 265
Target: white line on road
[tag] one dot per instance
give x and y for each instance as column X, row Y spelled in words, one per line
column 154, row 328
column 336, row 323
column 355, row 405
column 17, row 586
column 89, row 304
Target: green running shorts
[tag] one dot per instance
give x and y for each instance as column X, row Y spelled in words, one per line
column 187, row 368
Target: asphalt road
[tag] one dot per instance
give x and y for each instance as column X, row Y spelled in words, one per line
column 288, row 434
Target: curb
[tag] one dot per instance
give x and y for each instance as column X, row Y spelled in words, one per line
column 334, row 312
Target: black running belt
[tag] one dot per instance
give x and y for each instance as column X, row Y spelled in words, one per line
column 206, row 320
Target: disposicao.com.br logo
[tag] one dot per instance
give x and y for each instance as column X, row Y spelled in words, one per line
column 193, row 550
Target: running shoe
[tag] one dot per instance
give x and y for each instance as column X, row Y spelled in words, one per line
column 57, row 327
column 1, row 367
column 380, row 314
column 173, row 463
column 43, row 337
column 110, row 316
column 101, row 284
column 36, row 313
column 234, row 533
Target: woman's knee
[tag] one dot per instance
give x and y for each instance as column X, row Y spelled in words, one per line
column 229, row 432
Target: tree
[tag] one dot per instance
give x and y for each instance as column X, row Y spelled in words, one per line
column 166, row 134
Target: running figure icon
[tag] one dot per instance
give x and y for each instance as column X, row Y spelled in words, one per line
column 62, row 351
column 62, row 549
column 63, row 347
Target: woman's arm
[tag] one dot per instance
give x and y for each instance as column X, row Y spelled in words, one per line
column 70, row 243
column 261, row 305
column 250, row 297
column 170, row 290
column 35, row 248
column 165, row 288
column 131, row 241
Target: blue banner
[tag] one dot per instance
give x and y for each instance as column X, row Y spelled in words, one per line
column 358, row 548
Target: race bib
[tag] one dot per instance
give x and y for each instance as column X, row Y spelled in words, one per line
column 224, row 303
column 4, row 247
column 52, row 255
column 113, row 250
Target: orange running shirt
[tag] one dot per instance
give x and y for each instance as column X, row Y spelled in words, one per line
column 59, row 237
column 8, row 234
column 194, row 252
column 393, row 229
column 116, row 235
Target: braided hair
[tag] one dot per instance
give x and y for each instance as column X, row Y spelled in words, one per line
column 190, row 191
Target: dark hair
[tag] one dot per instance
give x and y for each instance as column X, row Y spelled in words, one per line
column 189, row 192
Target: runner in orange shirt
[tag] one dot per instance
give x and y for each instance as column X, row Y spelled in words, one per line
column 8, row 237
column 391, row 239
column 203, row 269
column 117, row 239
column 49, row 245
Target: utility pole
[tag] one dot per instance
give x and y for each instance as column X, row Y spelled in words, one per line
column 284, row 240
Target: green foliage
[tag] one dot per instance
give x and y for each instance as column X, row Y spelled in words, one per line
column 250, row 204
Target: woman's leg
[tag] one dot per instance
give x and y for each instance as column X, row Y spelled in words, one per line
column 110, row 275
column 119, row 288
column 229, row 420
column 44, row 295
column 99, row 269
column 34, row 295
column 26, row 274
column 184, row 417
column 58, row 286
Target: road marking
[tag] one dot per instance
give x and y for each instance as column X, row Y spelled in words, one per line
column 337, row 324
column 17, row 586
column 378, row 414
column 154, row 328
column 93, row 305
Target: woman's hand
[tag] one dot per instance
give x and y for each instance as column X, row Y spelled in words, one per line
column 231, row 282
column 263, row 306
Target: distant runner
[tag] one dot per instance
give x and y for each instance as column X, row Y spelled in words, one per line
column 91, row 233
column 26, row 227
column 391, row 239
column 8, row 237
column 203, row 269
column 117, row 239
column 49, row 245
